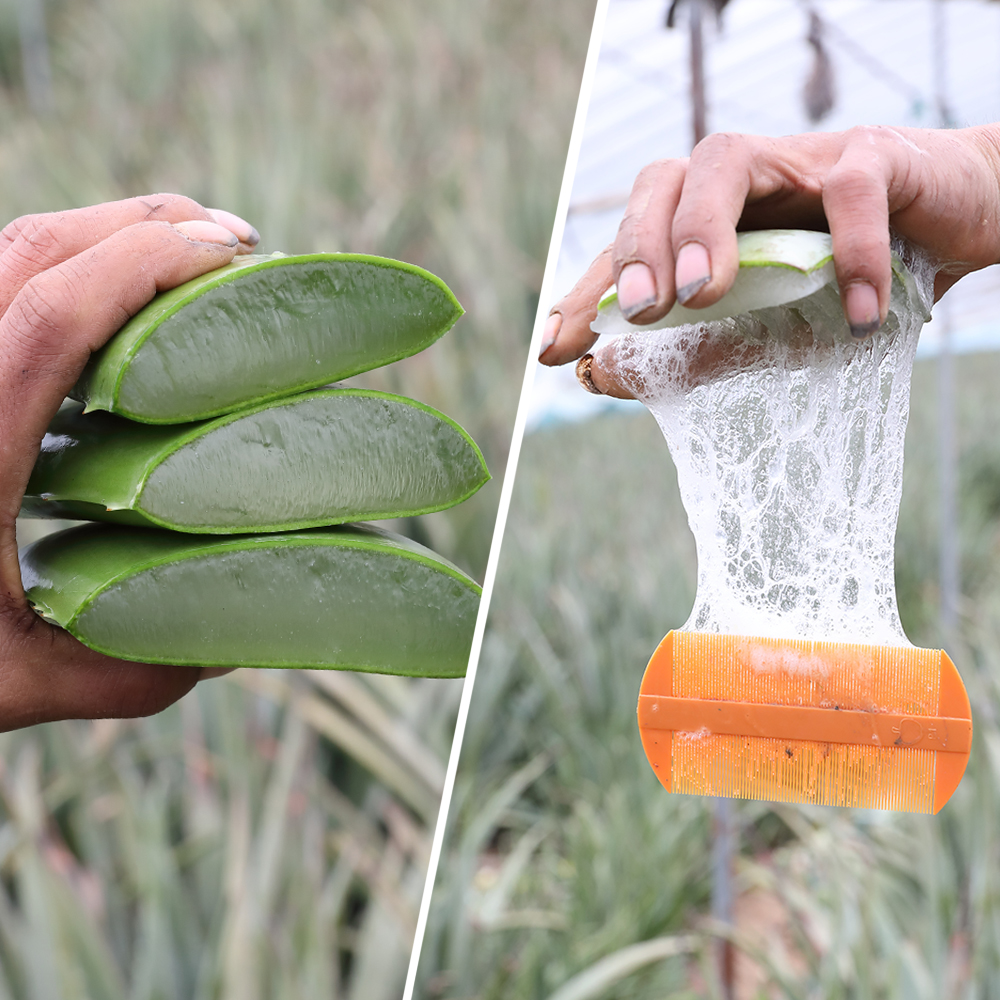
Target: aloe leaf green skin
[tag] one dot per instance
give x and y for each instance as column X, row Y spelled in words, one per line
column 318, row 458
column 777, row 267
column 352, row 597
column 262, row 328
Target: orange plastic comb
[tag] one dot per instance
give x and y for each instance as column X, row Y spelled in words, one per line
column 786, row 720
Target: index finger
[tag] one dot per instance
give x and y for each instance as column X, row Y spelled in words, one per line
column 32, row 244
column 643, row 257
column 576, row 311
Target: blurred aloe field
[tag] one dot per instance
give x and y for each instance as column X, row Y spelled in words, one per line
column 569, row 874
column 268, row 836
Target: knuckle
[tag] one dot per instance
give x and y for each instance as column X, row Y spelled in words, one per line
column 651, row 174
column 658, row 174
column 721, row 145
column 41, row 238
column 729, row 152
column 867, row 134
column 41, row 309
column 14, row 229
column 650, row 205
column 854, row 180
column 154, row 241
column 166, row 207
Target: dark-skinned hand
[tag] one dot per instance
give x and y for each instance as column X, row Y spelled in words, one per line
column 677, row 241
column 68, row 282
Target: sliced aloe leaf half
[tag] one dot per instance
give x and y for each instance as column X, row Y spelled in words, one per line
column 318, row 458
column 265, row 327
column 352, row 597
column 778, row 267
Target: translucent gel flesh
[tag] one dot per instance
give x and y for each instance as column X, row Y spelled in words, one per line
column 279, row 330
column 301, row 605
column 320, row 459
column 788, row 441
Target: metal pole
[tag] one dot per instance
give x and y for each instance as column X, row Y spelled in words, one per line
column 699, row 127
column 949, row 563
column 724, row 835
column 724, row 818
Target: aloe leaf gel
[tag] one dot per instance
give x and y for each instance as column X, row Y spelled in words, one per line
column 219, row 436
column 264, row 327
column 793, row 264
column 353, row 597
column 321, row 457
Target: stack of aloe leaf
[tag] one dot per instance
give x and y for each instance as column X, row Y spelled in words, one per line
column 228, row 476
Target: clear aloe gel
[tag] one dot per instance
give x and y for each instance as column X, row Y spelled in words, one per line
column 788, row 435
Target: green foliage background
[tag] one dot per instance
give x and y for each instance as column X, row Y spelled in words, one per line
column 569, row 874
column 268, row 837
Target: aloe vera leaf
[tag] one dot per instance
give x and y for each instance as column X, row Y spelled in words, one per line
column 351, row 597
column 261, row 328
column 318, row 458
column 777, row 267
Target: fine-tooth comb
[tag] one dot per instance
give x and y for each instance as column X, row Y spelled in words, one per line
column 791, row 720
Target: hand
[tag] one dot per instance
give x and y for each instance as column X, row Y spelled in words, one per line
column 68, row 281
column 677, row 240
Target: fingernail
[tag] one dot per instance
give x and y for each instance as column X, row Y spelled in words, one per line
column 207, row 673
column 585, row 376
column 552, row 327
column 243, row 230
column 693, row 271
column 636, row 289
column 861, row 302
column 207, row 232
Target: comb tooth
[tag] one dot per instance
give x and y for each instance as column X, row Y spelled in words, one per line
column 753, row 767
column 832, row 676
column 797, row 672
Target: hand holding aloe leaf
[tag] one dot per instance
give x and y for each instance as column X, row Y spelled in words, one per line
column 677, row 241
column 785, row 286
column 67, row 282
column 237, row 456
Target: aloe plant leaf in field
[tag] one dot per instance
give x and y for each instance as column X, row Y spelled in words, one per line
column 350, row 597
column 313, row 459
column 264, row 327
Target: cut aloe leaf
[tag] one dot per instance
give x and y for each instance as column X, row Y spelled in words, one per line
column 352, row 598
column 314, row 459
column 778, row 267
column 261, row 328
